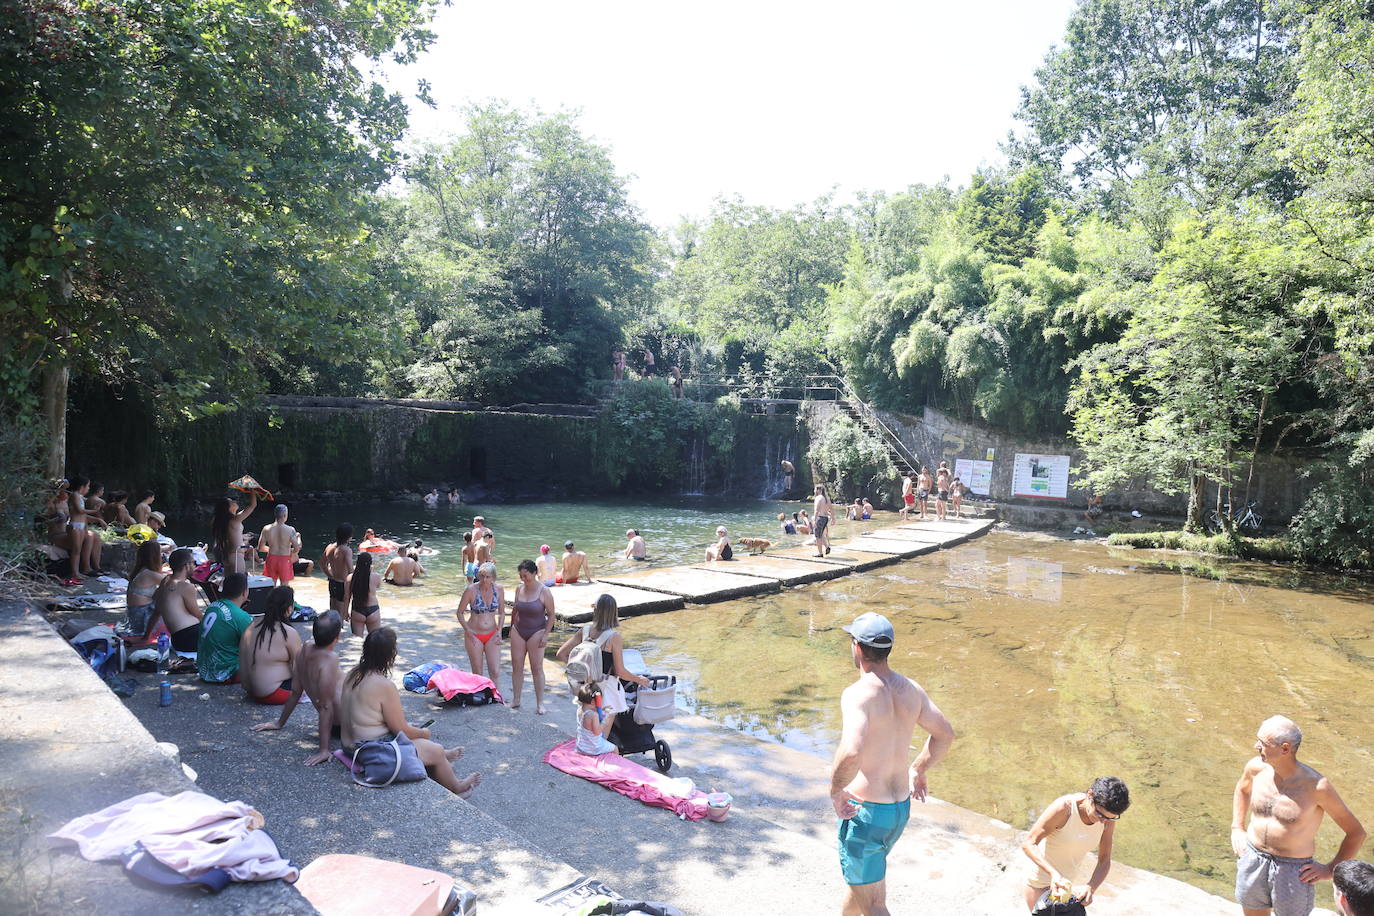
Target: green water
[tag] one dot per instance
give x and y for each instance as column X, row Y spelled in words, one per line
column 674, row 534
column 1057, row 661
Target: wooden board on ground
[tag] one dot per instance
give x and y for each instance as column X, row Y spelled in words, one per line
column 697, row 585
column 573, row 603
column 902, row 549
column 786, row 570
column 851, row 560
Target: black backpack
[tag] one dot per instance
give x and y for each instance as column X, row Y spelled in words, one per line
column 1047, row 907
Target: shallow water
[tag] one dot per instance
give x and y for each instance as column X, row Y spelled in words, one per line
column 1057, row 661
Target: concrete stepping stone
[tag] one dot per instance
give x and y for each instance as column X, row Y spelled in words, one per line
column 903, row 549
column 786, row 570
column 968, row 526
column 849, row 560
column 573, row 603
column 923, row 535
column 696, row 585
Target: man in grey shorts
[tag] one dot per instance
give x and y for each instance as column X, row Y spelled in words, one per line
column 1286, row 801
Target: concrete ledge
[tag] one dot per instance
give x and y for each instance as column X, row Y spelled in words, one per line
column 786, row 570
column 71, row 748
column 916, row 536
column 573, row 603
column 696, row 585
column 900, row 549
column 849, row 559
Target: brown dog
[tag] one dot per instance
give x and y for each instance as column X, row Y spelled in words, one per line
column 755, row 546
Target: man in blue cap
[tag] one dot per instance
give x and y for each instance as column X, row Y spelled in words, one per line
column 871, row 785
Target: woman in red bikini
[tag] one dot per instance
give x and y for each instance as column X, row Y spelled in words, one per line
column 485, row 603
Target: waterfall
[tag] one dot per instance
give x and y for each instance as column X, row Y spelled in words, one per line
column 695, row 482
column 775, row 449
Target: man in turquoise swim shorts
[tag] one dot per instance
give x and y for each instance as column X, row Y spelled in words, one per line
column 871, row 785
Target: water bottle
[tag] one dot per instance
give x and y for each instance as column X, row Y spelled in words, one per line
column 164, row 649
column 164, row 693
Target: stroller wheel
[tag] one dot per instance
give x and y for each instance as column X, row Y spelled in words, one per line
column 663, row 757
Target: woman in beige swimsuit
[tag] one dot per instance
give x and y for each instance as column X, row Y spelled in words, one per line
column 1070, row 828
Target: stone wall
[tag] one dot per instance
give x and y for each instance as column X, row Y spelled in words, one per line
column 936, row 437
column 323, row 447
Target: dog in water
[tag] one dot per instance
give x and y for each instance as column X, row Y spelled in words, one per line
column 755, row 546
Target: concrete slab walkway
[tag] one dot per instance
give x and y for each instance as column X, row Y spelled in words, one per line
column 695, row 584
column 786, row 570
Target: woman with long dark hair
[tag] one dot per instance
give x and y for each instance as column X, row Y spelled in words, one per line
column 143, row 583
column 370, row 708
column 360, row 596
column 605, row 630
column 268, row 649
column 533, row 618
column 226, row 531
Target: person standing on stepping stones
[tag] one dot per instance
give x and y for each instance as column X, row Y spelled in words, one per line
column 823, row 511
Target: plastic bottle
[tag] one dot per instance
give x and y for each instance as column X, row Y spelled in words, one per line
column 164, row 693
column 164, row 650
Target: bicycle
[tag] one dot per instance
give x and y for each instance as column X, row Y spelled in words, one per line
column 1247, row 520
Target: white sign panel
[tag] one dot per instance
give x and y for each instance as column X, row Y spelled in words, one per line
column 1041, row 476
column 976, row 475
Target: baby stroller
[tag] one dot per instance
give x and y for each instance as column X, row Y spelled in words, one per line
column 633, row 731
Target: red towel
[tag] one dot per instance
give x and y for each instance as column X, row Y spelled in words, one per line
column 450, row 682
column 628, row 778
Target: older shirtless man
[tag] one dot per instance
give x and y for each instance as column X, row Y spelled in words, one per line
column 280, row 542
column 871, row 785
column 1286, row 801
column 634, row 547
column 316, row 673
column 574, row 565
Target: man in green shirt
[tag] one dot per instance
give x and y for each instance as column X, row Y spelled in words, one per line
column 224, row 623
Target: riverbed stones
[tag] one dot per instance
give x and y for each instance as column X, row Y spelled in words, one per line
column 694, row 584
column 786, row 570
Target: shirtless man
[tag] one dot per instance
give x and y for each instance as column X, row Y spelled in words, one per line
column 116, row 511
column 482, row 548
column 1286, row 801
column 908, row 495
column 635, row 549
column 574, row 565
column 432, row 498
column 279, row 541
column 337, row 563
column 404, row 568
column 942, row 478
column 823, row 511
column 316, row 672
column 480, row 529
column 789, row 473
column 871, row 785
column 923, row 484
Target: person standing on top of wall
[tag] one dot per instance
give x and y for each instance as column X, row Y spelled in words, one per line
column 650, row 370
column 789, row 474
column 618, row 364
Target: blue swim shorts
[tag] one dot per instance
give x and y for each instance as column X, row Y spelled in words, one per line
column 866, row 838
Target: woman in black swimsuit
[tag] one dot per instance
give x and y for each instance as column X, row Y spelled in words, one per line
column 721, row 549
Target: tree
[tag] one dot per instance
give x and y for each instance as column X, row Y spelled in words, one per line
column 1172, row 88
column 1183, row 398
column 187, row 187
column 524, row 259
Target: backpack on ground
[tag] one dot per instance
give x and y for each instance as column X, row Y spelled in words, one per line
column 584, row 664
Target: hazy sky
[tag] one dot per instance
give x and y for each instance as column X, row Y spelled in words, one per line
column 776, row 102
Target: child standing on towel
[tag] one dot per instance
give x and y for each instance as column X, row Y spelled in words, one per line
column 589, row 739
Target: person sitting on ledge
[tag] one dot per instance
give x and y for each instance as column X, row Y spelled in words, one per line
column 370, row 708
column 116, row 511
column 721, row 549
column 574, row 565
column 267, row 661
column 316, row 672
column 221, row 629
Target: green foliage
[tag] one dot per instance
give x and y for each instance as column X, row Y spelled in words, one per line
column 644, row 433
column 851, row 455
column 519, row 258
column 1001, row 215
column 22, row 490
column 186, row 189
column 1336, row 524
column 1222, row 545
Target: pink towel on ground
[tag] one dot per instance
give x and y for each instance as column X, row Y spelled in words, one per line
column 628, row 778
column 450, row 682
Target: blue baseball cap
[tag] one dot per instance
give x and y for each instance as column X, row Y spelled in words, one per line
column 872, row 630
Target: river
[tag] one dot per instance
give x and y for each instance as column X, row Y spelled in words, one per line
column 1056, row 660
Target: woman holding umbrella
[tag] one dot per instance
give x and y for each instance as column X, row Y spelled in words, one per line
column 226, row 531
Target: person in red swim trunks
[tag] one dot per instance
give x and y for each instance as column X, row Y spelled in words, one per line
column 268, row 650
column 280, row 542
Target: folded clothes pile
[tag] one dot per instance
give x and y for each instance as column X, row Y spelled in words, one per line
column 187, row 840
